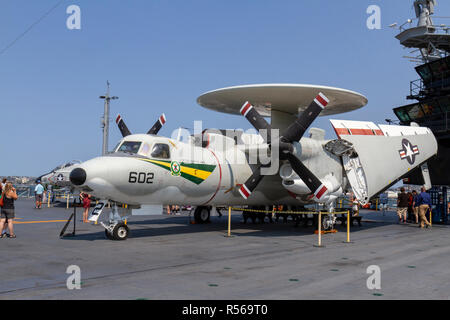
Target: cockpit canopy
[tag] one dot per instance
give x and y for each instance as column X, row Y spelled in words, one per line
column 129, row 147
column 159, row 150
column 66, row 165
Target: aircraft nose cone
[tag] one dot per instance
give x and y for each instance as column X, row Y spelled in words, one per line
column 78, row 176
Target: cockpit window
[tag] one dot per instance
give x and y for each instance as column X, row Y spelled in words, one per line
column 69, row 164
column 129, row 147
column 160, row 150
column 115, row 149
column 145, row 150
column 57, row 168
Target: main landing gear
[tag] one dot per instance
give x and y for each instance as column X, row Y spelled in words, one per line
column 202, row 214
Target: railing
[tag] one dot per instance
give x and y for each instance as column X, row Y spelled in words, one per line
column 439, row 83
column 416, row 89
column 436, row 29
column 25, row 191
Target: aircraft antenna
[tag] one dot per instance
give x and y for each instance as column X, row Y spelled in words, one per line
column 105, row 119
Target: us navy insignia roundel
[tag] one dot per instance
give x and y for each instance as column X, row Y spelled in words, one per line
column 408, row 151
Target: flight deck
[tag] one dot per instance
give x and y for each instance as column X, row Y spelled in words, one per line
column 166, row 257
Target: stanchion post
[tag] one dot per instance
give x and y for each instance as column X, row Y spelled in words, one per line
column 348, row 226
column 67, row 205
column 431, row 216
column 229, row 221
column 319, row 222
column 48, row 199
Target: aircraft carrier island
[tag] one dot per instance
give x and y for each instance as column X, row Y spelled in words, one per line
column 431, row 45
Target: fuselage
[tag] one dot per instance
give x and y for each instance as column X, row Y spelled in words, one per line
column 148, row 169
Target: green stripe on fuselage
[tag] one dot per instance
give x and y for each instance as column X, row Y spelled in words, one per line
column 165, row 164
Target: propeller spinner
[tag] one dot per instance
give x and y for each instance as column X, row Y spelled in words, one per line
column 292, row 134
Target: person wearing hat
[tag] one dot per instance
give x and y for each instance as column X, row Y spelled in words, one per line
column 39, row 191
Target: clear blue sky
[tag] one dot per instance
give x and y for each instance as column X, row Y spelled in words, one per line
column 161, row 55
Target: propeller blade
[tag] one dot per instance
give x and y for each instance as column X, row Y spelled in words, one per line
column 313, row 183
column 258, row 122
column 251, row 184
column 297, row 129
column 122, row 126
column 158, row 125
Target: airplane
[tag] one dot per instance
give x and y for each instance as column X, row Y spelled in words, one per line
column 60, row 175
column 278, row 165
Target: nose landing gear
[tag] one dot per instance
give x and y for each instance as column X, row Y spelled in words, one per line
column 119, row 232
column 115, row 228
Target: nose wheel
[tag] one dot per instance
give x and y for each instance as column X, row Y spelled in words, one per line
column 119, row 232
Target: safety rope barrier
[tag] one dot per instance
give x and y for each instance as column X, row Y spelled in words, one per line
column 318, row 212
column 287, row 212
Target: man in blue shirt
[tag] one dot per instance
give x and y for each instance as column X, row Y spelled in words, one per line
column 39, row 191
column 424, row 202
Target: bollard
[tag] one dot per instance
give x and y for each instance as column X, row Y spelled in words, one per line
column 67, row 206
column 48, row 199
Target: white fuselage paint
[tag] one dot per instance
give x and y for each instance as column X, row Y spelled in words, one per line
column 108, row 177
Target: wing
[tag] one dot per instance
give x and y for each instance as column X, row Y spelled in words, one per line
column 381, row 155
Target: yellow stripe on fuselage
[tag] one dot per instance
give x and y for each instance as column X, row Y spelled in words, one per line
column 165, row 164
column 198, row 173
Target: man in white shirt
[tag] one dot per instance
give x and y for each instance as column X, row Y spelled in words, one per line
column 39, row 191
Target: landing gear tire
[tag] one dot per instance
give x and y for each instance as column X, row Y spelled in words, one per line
column 120, row 232
column 327, row 224
column 202, row 215
column 108, row 234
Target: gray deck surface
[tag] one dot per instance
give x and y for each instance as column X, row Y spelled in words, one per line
column 166, row 258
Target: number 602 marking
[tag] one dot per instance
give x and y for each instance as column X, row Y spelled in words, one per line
column 141, row 177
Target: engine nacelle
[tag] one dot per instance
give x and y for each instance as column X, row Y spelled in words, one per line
column 295, row 185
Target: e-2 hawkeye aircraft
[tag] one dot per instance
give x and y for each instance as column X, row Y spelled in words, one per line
column 277, row 166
